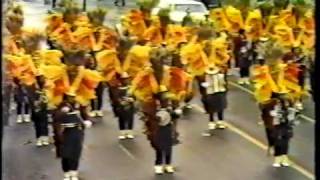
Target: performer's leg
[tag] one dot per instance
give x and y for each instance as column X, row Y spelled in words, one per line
column 122, row 126
column 158, row 168
column 129, row 123
column 168, row 157
column 27, row 113
column 19, row 112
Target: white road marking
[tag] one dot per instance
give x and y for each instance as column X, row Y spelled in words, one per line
column 250, row 92
column 260, row 144
column 125, row 150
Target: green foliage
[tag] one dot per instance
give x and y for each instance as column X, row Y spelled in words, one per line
column 266, row 8
column 281, row 4
column 97, row 16
column 147, row 4
column 164, row 15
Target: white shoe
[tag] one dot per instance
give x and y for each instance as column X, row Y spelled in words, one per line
column 74, row 175
column 122, row 135
column 299, row 106
column 39, row 142
column 247, row 81
column 212, row 125
column 188, row 106
column 19, row 119
column 169, row 169
column 158, row 169
column 45, row 140
column 129, row 134
column 241, row 81
column 66, row 176
column 27, row 118
column 99, row 113
column 277, row 161
column 285, row 161
column 92, row 114
column 221, row 124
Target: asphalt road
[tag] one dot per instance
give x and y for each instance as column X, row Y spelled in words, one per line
column 235, row 153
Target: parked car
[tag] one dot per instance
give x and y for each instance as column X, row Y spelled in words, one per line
column 210, row 4
column 180, row 8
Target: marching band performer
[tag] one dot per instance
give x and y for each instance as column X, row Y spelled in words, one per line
column 21, row 100
column 215, row 97
column 39, row 111
column 163, row 142
column 125, row 109
column 71, row 133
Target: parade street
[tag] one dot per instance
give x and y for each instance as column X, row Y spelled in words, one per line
column 237, row 153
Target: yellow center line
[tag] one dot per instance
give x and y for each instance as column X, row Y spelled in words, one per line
column 250, row 92
column 260, row 144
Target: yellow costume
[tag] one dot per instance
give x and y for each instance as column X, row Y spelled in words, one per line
column 84, row 85
column 144, row 86
column 108, row 63
column 284, row 35
column 195, row 59
column 137, row 58
column 177, row 82
column 153, row 34
column 21, row 66
column 235, row 19
column 175, row 35
column 219, row 53
column 253, row 25
column 219, row 19
column 57, row 83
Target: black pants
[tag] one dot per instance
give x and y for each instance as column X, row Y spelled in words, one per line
column 96, row 104
column 244, row 72
column 163, row 156
column 281, row 148
column 22, row 106
column 220, row 116
column 269, row 137
column 69, row 164
column 126, row 119
column 40, row 121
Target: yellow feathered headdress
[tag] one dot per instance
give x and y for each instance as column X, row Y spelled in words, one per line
column 284, row 35
column 288, row 17
column 176, row 80
column 253, row 25
column 153, row 34
column 195, row 59
column 135, row 23
column 137, row 58
column 144, row 85
column 108, row 63
column 219, row 19
column 50, row 57
column 175, row 35
column 21, row 66
column 306, row 37
column 235, row 19
column 83, row 86
column 219, row 52
column 54, row 21
column 106, row 39
column 85, row 37
column 57, row 83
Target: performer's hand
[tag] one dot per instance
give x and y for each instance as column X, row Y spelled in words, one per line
column 87, row 123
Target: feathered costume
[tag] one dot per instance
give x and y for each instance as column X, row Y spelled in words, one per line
column 253, row 25
column 108, row 64
column 136, row 60
column 195, row 59
column 235, row 19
